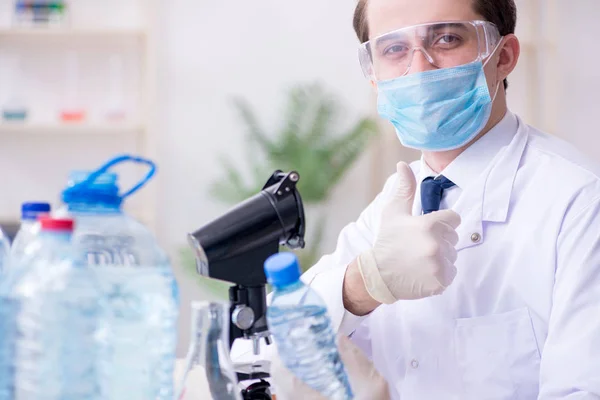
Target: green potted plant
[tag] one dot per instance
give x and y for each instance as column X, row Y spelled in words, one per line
column 308, row 141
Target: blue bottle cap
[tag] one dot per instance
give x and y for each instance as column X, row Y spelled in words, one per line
column 32, row 210
column 282, row 269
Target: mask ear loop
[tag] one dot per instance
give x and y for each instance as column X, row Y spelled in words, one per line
column 488, row 60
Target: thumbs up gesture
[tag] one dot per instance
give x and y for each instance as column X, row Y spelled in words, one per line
column 413, row 256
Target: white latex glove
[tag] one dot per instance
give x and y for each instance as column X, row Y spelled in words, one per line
column 413, row 256
column 365, row 381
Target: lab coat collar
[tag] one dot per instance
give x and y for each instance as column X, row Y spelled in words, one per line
column 468, row 166
column 473, row 161
column 485, row 173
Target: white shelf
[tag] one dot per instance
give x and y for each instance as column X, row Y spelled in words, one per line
column 73, row 128
column 94, row 30
column 68, row 33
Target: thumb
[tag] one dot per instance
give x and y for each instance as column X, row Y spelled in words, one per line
column 405, row 191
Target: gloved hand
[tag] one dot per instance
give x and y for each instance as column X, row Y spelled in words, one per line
column 364, row 379
column 413, row 256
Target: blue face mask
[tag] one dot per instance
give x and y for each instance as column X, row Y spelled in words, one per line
column 437, row 110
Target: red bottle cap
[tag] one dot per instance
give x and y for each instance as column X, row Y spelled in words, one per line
column 56, row 224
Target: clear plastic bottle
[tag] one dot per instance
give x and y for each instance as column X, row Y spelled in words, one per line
column 50, row 314
column 30, row 212
column 208, row 354
column 137, row 356
column 4, row 252
column 115, row 108
column 302, row 330
column 72, row 109
column 8, row 331
column 15, row 108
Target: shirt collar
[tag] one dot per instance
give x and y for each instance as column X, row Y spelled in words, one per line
column 469, row 165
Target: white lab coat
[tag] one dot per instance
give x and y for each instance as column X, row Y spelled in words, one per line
column 522, row 318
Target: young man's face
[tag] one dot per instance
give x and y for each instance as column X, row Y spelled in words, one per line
column 384, row 16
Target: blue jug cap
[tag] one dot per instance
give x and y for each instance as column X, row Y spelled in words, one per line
column 32, row 210
column 104, row 179
column 104, row 189
column 282, row 269
column 100, row 186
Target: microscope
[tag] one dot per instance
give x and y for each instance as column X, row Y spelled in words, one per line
column 234, row 247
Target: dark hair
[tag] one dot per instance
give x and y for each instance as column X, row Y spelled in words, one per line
column 502, row 13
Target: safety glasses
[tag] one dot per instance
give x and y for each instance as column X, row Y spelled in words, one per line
column 441, row 44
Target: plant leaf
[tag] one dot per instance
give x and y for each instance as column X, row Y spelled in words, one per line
column 253, row 128
column 323, row 118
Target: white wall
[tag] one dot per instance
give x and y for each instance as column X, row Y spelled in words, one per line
column 579, row 75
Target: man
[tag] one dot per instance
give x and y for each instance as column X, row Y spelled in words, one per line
column 521, row 318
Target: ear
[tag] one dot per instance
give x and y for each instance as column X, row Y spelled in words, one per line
column 373, row 84
column 508, row 56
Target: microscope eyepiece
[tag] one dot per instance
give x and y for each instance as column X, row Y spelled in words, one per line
column 252, row 230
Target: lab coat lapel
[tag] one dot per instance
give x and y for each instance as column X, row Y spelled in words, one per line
column 488, row 199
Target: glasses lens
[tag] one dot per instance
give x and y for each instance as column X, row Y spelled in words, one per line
column 443, row 45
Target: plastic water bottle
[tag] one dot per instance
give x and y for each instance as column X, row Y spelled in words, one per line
column 302, row 330
column 137, row 355
column 29, row 229
column 8, row 331
column 4, row 252
column 50, row 313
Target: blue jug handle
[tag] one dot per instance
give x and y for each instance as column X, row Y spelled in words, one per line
column 117, row 160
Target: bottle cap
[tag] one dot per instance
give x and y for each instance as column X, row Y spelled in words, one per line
column 31, row 210
column 57, row 224
column 103, row 190
column 282, row 269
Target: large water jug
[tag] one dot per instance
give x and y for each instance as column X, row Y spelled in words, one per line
column 302, row 330
column 49, row 315
column 138, row 351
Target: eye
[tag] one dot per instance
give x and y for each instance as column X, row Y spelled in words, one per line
column 448, row 40
column 395, row 50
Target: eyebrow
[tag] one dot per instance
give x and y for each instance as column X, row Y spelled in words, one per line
column 388, row 37
column 451, row 25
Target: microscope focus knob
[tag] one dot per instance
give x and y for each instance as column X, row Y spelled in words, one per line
column 243, row 317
